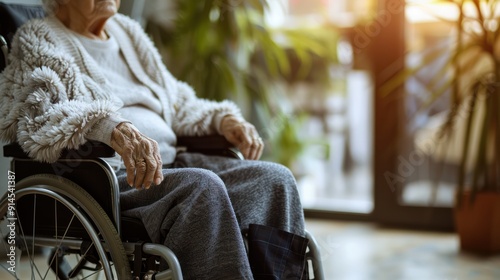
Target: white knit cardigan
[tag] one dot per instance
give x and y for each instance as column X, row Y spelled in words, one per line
column 52, row 93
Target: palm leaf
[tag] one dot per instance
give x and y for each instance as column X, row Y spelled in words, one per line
column 400, row 78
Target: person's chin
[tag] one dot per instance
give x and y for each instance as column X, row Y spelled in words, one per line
column 108, row 10
column 108, row 6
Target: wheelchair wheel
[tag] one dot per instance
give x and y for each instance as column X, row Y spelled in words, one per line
column 51, row 218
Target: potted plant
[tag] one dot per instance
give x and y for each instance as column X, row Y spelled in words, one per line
column 469, row 133
column 476, row 87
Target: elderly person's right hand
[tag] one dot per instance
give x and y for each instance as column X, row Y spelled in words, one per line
column 140, row 155
column 243, row 135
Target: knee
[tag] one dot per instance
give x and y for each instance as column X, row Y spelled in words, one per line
column 282, row 172
column 204, row 181
column 276, row 175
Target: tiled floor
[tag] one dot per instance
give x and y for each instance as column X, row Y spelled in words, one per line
column 362, row 251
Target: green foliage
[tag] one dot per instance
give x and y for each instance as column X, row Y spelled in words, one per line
column 472, row 72
column 212, row 45
column 225, row 51
column 289, row 137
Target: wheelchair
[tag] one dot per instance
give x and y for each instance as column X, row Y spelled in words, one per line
column 63, row 220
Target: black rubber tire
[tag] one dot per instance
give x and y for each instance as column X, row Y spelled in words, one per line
column 82, row 199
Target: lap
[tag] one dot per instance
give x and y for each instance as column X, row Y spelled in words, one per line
column 231, row 170
column 192, row 171
column 256, row 189
column 177, row 183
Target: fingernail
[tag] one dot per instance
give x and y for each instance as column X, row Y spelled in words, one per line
column 157, row 181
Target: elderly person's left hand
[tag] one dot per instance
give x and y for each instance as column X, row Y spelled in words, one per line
column 243, row 135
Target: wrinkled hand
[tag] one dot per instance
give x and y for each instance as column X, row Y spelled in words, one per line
column 140, row 155
column 243, row 135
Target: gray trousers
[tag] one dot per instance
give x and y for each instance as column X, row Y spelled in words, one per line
column 203, row 205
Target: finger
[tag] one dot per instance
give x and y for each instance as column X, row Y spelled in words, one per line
column 150, row 172
column 257, row 151
column 156, row 165
column 140, row 165
column 245, row 149
column 240, row 137
column 125, row 150
column 140, row 172
column 254, row 141
column 257, row 148
column 253, row 150
column 159, row 171
column 251, row 142
column 130, row 168
column 260, row 150
column 129, row 163
column 158, row 176
column 150, row 160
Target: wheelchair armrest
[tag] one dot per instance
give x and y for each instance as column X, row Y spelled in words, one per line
column 204, row 142
column 89, row 150
column 210, row 145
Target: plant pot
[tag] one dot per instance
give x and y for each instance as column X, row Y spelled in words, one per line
column 478, row 223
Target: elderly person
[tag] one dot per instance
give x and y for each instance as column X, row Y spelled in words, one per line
column 87, row 73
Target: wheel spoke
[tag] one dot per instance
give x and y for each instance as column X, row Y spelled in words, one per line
column 73, row 199
column 55, row 255
column 31, row 258
column 33, row 235
column 94, row 273
column 59, row 245
column 85, row 254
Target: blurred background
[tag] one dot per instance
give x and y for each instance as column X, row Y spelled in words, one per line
column 364, row 101
column 290, row 65
column 312, row 76
column 351, row 95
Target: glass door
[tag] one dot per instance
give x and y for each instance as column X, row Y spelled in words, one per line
column 413, row 186
column 374, row 168
column 335, row 173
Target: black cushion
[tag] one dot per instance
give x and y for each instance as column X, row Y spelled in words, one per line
column 90, row 150
column 12, row 16
column 133, row 230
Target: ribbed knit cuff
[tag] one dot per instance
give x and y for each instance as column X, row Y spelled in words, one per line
column 103, row 129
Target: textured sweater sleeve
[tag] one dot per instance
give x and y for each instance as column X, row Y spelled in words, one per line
column 102, row 130
column 196, row 116
column 46, row 104
column 191, row 116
